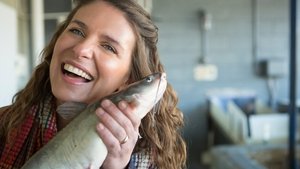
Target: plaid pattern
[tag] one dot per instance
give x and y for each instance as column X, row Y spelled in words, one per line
column 38, row 128
column 141, row 160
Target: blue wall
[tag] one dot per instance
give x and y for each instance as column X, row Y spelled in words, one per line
column 229, row 47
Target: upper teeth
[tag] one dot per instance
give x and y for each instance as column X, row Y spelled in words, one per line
column 77, row 71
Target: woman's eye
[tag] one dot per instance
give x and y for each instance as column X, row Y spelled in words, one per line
column 109, row 48
column 77, row 32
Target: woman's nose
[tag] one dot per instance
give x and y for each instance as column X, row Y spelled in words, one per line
column 84, row 49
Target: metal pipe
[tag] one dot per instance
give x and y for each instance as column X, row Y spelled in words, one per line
column 38, row 30
column 254, row 34
column 293, row 85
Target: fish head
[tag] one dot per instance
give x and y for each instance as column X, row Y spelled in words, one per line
column 147, row 92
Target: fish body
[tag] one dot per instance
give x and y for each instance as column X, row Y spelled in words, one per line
column 78, row 145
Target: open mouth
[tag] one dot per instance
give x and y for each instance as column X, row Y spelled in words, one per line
column 75, row 72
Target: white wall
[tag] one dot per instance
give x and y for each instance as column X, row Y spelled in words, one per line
column 8, row 53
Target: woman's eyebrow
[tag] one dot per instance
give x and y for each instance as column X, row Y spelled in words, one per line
column 78, row 22
column 111, row 39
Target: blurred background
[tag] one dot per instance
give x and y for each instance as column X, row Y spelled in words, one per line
column 228, row 61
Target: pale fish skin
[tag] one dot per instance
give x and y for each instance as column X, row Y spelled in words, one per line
column 78, row 146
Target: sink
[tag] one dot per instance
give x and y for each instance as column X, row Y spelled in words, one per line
column 263, row 156
column 275, row 158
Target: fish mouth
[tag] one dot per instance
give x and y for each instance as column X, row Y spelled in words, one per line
column 162, row 84
column 163, row 76
column 76, row 72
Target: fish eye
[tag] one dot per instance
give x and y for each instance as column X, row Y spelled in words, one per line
column 148, row 79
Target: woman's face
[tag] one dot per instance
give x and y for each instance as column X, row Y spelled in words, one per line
column 92, row 57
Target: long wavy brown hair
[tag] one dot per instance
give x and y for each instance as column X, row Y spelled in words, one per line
column 160, row 129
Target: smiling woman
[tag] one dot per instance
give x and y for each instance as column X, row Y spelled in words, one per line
column 101, row 48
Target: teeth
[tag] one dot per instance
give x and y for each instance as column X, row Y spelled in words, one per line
column 77, row 71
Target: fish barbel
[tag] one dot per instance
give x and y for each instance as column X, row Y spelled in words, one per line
column 78, row 145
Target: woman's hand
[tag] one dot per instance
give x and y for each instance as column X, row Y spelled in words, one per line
column 118, row 129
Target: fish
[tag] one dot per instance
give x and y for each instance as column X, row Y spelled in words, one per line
column 78, row 145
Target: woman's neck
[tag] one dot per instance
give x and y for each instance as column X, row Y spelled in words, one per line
column 61, row 122
column 66, row 112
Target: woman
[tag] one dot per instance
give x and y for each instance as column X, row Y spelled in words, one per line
column 101, row 47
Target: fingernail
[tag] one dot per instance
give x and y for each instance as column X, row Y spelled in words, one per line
column 122, row 105
column 100, row 111
column 100, row 126
column 105, row 103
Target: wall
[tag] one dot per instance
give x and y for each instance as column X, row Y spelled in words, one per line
column 9, row 2
column 14, row 47
column 229, row 47
column 8, row 48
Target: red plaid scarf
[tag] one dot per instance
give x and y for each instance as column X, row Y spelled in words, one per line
column 37, row 129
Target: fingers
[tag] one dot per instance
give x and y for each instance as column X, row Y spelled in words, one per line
column 107, row 137
column 111, row 124
column 121, row 121
column 118, row 129
column 130, row 113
